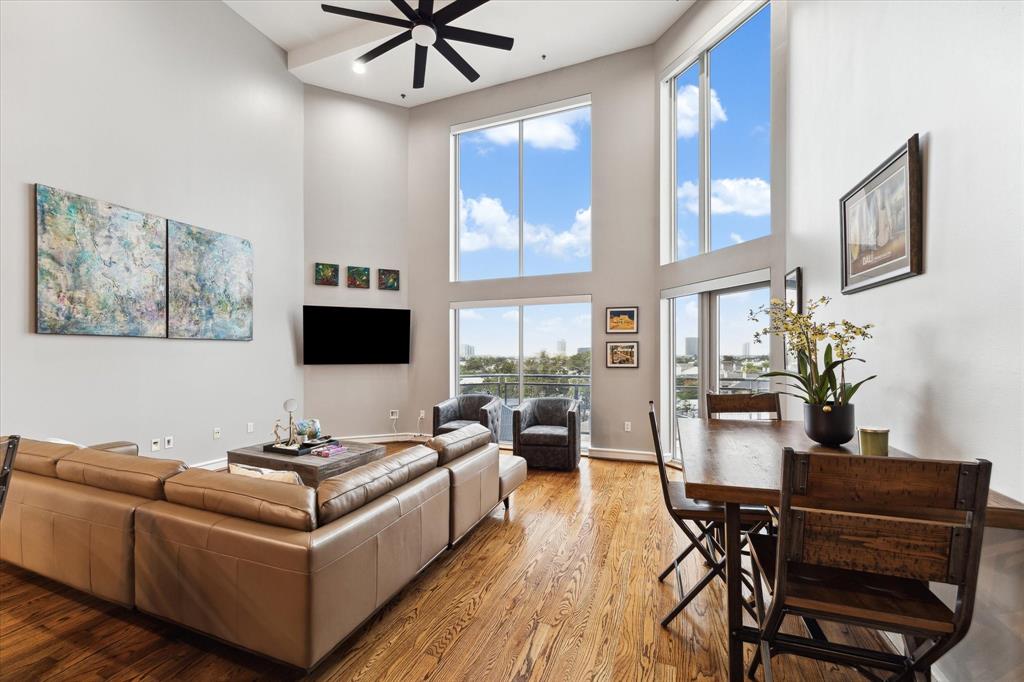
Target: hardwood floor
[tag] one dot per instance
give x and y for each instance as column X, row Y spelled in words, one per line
column 561, row 587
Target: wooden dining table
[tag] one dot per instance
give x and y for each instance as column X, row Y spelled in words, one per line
column 739, row 462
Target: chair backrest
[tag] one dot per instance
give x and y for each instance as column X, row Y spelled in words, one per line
column 912, row 518
column 470, row 404
column 552, row 411
column 735, row 403
column 662, row 472
column 10, row 449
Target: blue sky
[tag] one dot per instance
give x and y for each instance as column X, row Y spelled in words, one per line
column 495, row 331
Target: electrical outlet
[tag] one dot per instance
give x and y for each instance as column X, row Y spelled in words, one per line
column 249, row 427
column 628, row 427
column 423, row 414
column 392, row 414
column 216, row 433
column 168, row 442
column 154, row 445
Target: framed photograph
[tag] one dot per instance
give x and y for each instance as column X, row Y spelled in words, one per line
column 795, row 300
column 358, row 277
column 622, row 353
column 622, row 320
column 326, row 274
column 880, row 223
column 387, row 279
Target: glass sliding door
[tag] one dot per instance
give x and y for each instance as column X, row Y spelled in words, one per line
column 524, row 351
column 686, row 356
column 740, row 360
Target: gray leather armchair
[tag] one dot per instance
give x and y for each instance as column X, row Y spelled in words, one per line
column 471, row 408
column 546, row 433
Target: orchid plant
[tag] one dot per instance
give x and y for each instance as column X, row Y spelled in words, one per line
column 815, row 384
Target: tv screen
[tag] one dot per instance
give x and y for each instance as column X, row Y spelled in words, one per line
column 354, row 336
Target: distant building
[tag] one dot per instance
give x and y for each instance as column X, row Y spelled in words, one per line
column 560, row 347
column 691, row 345
column 582, row 349
column 746, row 349
column 467, row 351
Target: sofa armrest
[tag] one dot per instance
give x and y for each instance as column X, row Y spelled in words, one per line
column 121, row 447
column 444, row 412
column 490, row 416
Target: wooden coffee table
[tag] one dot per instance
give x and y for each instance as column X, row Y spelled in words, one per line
column 310, row 468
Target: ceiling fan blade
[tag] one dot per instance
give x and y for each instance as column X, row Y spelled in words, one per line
column 385, row 46
column 464, row 35
column 427, row 9
column 457, row 61
column 456, row 10
column 404, row 8
column 368, row 16
column 419, row 70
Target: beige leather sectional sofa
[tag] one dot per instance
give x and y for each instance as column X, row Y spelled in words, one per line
column 279, row 569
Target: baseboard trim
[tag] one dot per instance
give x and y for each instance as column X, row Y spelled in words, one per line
column 622, row 455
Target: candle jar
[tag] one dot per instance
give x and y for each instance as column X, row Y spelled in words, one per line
column 874, row 442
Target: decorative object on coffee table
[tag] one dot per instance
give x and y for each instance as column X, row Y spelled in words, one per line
column 387, row 279
column 622, row 354
column 310, row 468
column 326, row 274
column 828, row 412
column 881, row 223
column 358, row 277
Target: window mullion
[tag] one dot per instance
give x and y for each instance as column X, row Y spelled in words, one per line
column 704, row 151
column 522, row 245
column 522, row 316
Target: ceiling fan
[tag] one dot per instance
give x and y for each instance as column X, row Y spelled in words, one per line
column 425, row 27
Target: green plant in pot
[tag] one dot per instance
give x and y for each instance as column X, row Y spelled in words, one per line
column 822, row 385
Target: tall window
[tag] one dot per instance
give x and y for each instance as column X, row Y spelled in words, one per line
column 524, row 351
column 523, row 196
column 722, row 151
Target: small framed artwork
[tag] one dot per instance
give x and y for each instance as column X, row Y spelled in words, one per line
column 387, row 279
column 358, row 277
column 880, row 223
column 622, row 354
column 622, row 320
column 795, row 301
column 326, row 274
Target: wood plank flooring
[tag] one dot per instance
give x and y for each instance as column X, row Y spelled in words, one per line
column 561, row 587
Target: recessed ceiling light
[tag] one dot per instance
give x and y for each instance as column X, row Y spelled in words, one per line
column 358, row 67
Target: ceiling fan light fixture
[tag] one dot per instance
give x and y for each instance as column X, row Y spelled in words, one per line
column 424, row 34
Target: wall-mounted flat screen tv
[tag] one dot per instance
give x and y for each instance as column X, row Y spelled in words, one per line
column 354, row 336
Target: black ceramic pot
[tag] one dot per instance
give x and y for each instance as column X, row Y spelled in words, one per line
column 831, row 428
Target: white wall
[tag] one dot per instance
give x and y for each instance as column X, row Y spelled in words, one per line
column 624, row 232
column 177, row 109
column 863, row 77
column 356, row 164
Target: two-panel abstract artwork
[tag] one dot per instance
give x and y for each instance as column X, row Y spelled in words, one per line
column 107, row 270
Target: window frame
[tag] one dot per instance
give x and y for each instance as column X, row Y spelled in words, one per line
column 699, row 56
column 518, row 117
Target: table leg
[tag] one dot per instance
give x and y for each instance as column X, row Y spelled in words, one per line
column 734, row 591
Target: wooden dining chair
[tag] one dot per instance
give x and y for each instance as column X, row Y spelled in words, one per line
column 709, row 519
column 10, row 448
column 736, row 403
column 859, row 541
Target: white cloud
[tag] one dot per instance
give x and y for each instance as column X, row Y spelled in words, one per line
column 573, row 243
column 486, row 224
column 688, row 112
column 555, row 131
column 510, row 314
column 746, row 196
column 469, row 314
column 736, row 238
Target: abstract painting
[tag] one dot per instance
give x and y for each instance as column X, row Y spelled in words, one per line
column 358, row 277
column 210, row 289
column 101, row 268
column 387, row 279
column 326, row 274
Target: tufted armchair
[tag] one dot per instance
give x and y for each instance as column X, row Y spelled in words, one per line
column 471, row 408
column 546, row 433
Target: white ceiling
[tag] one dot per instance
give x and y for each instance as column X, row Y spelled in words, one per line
column 321, row 47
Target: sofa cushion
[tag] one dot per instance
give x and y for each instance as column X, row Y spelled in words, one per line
column 543, row 434
column 40, row 457
column 291, row 477
column 270, row 502
column 457, row 424
column 141, row 476
column 342, row 494
column 457, row 443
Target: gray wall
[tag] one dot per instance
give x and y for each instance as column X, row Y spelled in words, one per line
column 863, row 77
column 178, row 109
column 624, row 232
column 355, row 207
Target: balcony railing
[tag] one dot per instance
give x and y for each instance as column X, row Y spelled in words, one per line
column 506, row 387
